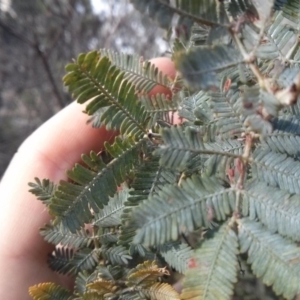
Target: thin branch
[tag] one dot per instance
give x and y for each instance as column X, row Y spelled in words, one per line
column 41, row 54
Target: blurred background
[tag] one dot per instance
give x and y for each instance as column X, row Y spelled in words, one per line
column 39, row 37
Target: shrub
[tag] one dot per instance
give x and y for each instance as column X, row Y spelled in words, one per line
column 198, row 198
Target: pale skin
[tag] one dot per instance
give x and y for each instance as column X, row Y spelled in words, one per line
column 51, row 150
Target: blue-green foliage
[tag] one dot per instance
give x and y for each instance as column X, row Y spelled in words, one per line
column 220, row 186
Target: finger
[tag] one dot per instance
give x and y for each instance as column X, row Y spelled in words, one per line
column 167, row 66
column 47, row 153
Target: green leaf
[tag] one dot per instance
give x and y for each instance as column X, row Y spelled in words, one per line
column 49, row 291
column 117, row 255
column 285, row 143
column 290, row 9
column 213, row 270
column 149, row 179
column 142, row 74
column 160, row 107
column 182, row 144
column 177, row 210
column 177, row 255
column 272, row 258
column 82, row 279
column 110, row 215
column 72, row 201
column 196, row 108
column 278, row 36
column 58, row 234
column 96, row 80
column 59, row 260
column 65, row 261
column 276, row 169
column 275, row 208
column 43, row 190
column 200, row 65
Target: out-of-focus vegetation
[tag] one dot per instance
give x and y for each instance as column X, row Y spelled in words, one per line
column 39, row 37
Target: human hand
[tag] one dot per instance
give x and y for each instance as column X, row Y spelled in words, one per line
column 51, row 150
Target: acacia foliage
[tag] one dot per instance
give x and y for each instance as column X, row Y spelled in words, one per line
column 197, row 197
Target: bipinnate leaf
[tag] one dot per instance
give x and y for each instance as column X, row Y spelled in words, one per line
column 110, row 215
column 290, row 9
column 117, row 255
column 274, row 259
column 83, row 279
column 93, row 78
column 278, row 170
column 149, row 179
column 177, row 255
column 213, row 269
column 58, row 234
column 275, row 208
column 49, row 291
column 66, row 261
column 182, row 144
column 144, row 75
column 177, row 210
column 72, row 202
column 199, row 66
column 43, row 190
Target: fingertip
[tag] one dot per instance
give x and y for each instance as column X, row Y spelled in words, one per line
column 167, row 67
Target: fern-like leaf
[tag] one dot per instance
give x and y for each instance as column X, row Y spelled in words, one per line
column 94, row 78
column 283, row 143
column 65, row 261
column 117, row 255
column 83, row 279
column 277, row 170
column 275, row 208
column 273, row 258
column 181, row 209
column 213, row 270
column 58, row 234
column 199, row 66
column 182, row 144
column 142, row 74
column 43, row 190
column 285, row 138
column 290, row 9
column 160, row 108
column 177, row 255
column 71, row 202
column 196, row 108
column 49, row 291
column 149, row 180
column 110, row 215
